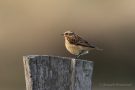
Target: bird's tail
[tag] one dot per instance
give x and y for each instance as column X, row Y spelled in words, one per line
column 99, row 49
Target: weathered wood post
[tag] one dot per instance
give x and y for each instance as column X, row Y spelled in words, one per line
column 57, row 73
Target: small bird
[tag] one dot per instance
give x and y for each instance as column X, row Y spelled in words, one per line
column 77, row 45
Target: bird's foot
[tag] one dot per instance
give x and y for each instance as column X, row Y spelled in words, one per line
column 77, row 56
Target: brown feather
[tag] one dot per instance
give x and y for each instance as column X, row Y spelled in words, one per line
column 75, row 39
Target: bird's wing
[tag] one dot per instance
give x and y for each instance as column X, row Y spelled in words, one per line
column 77, row 40
column 83, row 42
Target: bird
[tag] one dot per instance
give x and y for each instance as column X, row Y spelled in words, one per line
column 76, row 45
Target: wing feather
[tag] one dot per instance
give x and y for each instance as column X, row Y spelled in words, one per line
column 77, row 40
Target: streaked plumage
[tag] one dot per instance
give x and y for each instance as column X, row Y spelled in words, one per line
column 77, row 45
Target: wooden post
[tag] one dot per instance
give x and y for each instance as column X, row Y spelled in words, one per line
column 57, row 73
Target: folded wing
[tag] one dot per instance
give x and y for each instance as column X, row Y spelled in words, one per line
column 77, row 40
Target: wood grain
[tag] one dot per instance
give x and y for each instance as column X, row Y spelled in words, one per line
column 57, row 73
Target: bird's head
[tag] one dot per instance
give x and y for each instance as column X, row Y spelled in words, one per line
column 68, row 34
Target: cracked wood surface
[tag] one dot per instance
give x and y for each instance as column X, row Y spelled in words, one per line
column 57, row 73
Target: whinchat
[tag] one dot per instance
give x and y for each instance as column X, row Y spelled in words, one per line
column 77, row 45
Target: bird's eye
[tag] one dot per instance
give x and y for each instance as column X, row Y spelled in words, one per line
column 66, row 33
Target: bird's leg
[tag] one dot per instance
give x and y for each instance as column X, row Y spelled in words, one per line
column 79, row 55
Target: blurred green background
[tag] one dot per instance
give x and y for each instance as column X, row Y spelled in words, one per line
column 34, row 27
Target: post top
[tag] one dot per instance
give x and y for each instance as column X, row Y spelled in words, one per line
column 52, row 56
